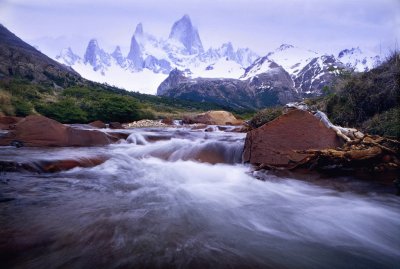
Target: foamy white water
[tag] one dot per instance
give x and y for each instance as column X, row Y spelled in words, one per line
column 182, row 199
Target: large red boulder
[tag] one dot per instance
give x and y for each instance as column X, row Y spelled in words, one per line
column 39, row 131
column 214, row 118
column 276, row 142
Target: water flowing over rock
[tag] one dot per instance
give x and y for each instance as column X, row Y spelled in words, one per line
column 277, row 143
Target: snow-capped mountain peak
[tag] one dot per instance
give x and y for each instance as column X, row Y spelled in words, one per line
column 184, row 32
column 135, row 55
column 95, row 56
column 284, row 47
column 358, row 60
column 139, row 30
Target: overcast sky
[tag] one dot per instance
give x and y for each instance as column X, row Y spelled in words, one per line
column 262, row 25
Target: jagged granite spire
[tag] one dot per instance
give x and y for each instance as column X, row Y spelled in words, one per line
column 184, row 32
column 139, row 29
column 135, row 54
column 117, row 55
column 91, row 51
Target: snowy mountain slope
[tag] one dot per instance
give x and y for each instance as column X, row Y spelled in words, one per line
column 310, row 70
column 358, row 60
column 150, row 59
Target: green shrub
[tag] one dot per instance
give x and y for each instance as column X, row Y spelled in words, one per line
column 65, row 111
column 22, row 108
column 384, row 124
column 265, row 115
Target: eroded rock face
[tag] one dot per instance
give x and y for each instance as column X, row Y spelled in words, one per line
column 276, row 142
column 214, row 118
column 39, row 131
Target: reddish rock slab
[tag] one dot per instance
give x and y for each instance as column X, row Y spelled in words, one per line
column 276, row 142
column 8, row 122
column 51, row 166
column 39, row 131
column 98, row 124
column 62, row 165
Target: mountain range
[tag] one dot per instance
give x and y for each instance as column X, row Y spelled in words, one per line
column 151, row 59
column 287, row 73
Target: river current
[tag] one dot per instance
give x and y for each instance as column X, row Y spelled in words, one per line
column 181, row 198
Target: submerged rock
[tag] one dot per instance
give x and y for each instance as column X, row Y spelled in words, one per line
column 39, row 131
column 278, row 142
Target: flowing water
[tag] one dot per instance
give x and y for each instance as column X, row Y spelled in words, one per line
column 179, row 198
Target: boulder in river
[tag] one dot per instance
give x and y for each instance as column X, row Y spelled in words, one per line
column 278, row 142
column 214, row 118
column 115, row 125
column 39, row 131
column 98, row 124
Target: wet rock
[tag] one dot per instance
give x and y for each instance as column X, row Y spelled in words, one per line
column 98, row 124
column 50, row 166
column 39, row 131
column 214, row 118
column 62, row 165
column 115, row 125
column 278, row 142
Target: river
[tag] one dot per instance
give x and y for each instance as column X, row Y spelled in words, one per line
column 181, row 198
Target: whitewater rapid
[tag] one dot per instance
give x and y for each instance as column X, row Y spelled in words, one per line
column 180, row 198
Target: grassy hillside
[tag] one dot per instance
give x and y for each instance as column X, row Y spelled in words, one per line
column 87, row 101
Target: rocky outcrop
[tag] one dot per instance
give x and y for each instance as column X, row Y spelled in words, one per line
column 39, row 131
column 272, row 87
column 278, row 143
column 214, row 118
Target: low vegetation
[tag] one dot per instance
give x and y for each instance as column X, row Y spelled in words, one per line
column 89, row 101
column 369, row 101
column 265, row 115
